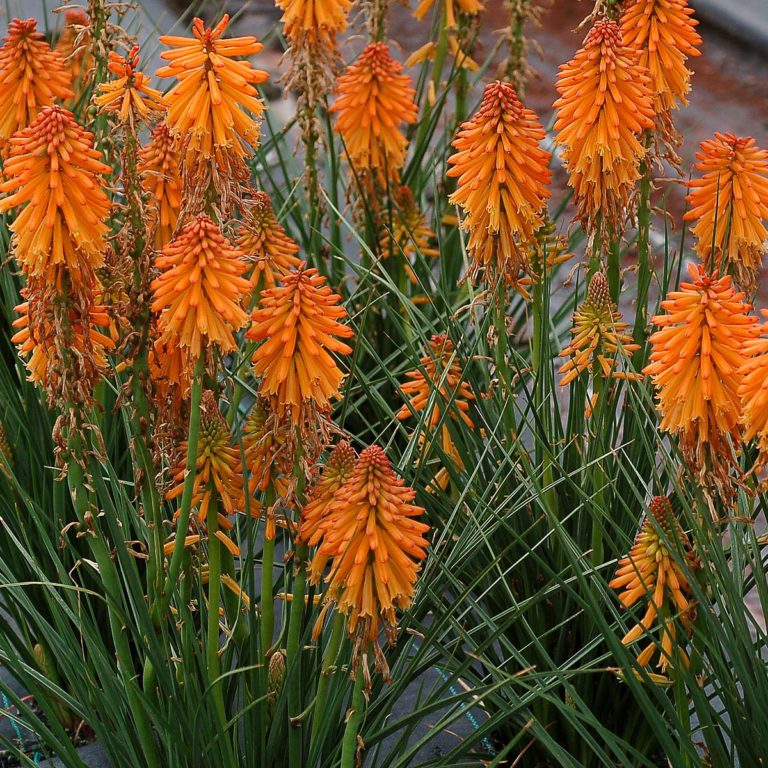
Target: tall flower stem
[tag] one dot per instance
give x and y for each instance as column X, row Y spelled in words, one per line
column 499, row 311
column 349, row 741
column 330, row 656
column 293, row 656
column 598, row 473
column 643, row 259
column 267, row 623
column 182, row 525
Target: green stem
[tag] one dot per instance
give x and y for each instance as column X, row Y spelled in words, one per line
column 502, row 364
column 329, row 662
column 267, row 624
column 354, row 719
column 293, row 658
column 182, row 525
column 643, row 261
column 598, row 474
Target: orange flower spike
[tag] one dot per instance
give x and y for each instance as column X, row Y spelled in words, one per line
column 320, row 20
column 374, row 100
column 32, row 76
column 697, row 363
column 297, row 323
column 753, row 392
column 729, row 203
column 376, row 544
column 214, row 103
column 650, row 571
column 200, row 291
column 264, row 242
column 664, row 32
column 605, row 104
column 599, row 335
column 130, row 95
column 503, row 175
column 57, row 175
column 161, row 180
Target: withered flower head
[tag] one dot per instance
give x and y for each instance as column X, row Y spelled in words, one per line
column 57, row 175
column 374, row 100
column 161, row 180
column 32, row 76
column 264, row 242
column 199, row 293
column 605, row 104
column 298, row 323
column 503, row 174
column 599, row 337
column 130, row 95
column 268, row 455
column 73, row 44
column 697, row 364
column 729, row 204
column 652, row 572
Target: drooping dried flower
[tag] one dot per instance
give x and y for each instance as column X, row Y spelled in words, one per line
column 265, row 243
column 697, row 364
column 439, row 390
column 600, row 342
column 298, row 323
column 199, row 293
column 376, row 544
column 73, row 44
column 753, row 392
column 130, row 95
column 268, row 458
column 214, row 106
column 503, row 175
column 57, row 175
column 729, row 204
column 374, row 100
column 218, row 475
column 32, row 76
column 652, row 571
column 605, row 104
column 161, row 180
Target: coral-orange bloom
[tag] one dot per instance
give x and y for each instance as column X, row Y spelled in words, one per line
column 697, row 365
column 503, row 175
column 264, row 242
column 214, row 104
column 376, row 544
column 605, row 104
column 130, row 95
column 374, row 100
column 32, row 76
column 317, row 20
column 729, row 203
column 297, row 323
column 664, row 32
column 54, row 170
column 651, row 571
column 753, row 391
column 200, row 291
column 161, row 180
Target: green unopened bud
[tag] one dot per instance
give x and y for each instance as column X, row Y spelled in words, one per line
column 275, row 676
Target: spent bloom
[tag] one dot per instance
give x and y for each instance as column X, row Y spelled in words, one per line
column 130, row 94
column 73, row 44
column 729, row 203
column 502, row 178
column 161, row 180
column 697, row 361
column 599, row 337
column 298, row 323
column 56, row 174
column 376, row 543
column 652, row 572
column 374, row 100
column 265, row 243
column 268, row 456
column 32, row 76
column 605, row 104
column 200, row 290
column 214, row 106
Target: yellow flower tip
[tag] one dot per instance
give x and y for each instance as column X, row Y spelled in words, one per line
column 729, row 204
column 32, row 76
column 600, row 128
column 200, row 291
column 161, row 180
column 56, row 177
column 317, row 20
column 697, row 366
column 425, row 53
column 371, row 532
column 600, row 342
column 265, row 243
column 374, row 100
column 129, row 95
column 299, row 325
column 502, row 183
column 213, row 106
